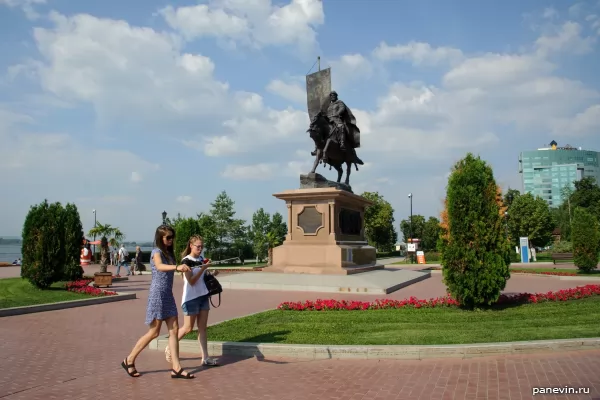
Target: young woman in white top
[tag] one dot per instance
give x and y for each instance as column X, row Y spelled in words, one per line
column 195, row 299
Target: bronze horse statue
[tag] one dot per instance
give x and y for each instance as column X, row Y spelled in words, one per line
column 328, row 148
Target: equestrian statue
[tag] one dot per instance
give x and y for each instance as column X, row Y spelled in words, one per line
column 336, row 137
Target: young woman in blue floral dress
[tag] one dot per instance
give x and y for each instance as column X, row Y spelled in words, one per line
column 161, row 303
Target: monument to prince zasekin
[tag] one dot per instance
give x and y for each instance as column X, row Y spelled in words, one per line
column 326, row 232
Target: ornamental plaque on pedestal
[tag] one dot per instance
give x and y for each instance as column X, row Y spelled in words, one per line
column 325, row 233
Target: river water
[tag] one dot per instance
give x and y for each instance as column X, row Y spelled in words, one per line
column 9, row 253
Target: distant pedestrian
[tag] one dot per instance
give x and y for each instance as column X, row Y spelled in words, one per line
column 122, row 262
column 161, row 303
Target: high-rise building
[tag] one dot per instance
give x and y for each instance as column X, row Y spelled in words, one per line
column 546, row 171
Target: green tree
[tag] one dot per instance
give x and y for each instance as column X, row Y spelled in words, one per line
column 43, row 244
column 184, row 229
column 417, row 229
column 510, row 196
column 431, row 234
column 379, row 223
column 261, row 226
column 278, row 226
column 476, row 253
column 73, row 232
column 530, row 216
column 585, row 239
column 208, row 233
column 587, row 195
column 225, row 223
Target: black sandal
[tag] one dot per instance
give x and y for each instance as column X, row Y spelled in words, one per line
column 179, row 375
column 127, row 366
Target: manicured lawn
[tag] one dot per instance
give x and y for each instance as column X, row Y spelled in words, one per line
column 408, row 326
column 17, row 292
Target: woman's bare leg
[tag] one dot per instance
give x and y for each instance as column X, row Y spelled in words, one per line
column 143, row 342
column 173, row 326
column 202, row 338
column 188, row 326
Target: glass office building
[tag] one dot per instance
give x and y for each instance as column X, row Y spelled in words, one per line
column 546, row 171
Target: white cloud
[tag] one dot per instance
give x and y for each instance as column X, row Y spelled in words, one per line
column 26, row 5
column 136, row 177
column 584, row 123
column 262, row 171
column 418, row 53
column 566, row 38
column 289, row 91
column 257, row 23
column 183, row 199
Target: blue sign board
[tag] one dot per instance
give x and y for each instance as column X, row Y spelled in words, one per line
column 524, row 246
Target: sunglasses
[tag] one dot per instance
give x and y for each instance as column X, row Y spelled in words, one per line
column 198, row 246
column 170, row 237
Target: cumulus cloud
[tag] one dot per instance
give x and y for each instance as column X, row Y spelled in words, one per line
column 255, row 24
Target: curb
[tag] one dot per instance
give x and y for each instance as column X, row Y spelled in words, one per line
column 559, row 277
column 407, row 352
column 61, row 305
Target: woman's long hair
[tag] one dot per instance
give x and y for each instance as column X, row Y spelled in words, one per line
column 188, row 246
column 162, row 231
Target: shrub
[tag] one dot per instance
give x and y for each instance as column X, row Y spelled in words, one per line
column 476, row 252
column 52, row 236
column 43, row 240
column 563, row 247
column 73, row 231
column 585, row 240
column 432, row 256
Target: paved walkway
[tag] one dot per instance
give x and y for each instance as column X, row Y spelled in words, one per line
column 75, row 353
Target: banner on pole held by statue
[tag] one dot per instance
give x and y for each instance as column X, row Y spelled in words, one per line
column 318, row 87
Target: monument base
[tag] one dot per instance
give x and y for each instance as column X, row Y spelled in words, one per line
column 325, row 234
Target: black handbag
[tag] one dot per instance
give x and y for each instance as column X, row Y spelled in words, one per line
column 213, row 286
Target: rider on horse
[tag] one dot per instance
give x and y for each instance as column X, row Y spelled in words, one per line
column 342, row 122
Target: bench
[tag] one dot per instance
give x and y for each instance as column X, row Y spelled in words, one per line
column 562, row 257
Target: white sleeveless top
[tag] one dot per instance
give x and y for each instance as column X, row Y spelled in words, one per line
column 191, row 292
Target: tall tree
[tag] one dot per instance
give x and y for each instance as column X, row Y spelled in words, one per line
column 261, row 225
column 225, row 223
column 431, row 234
column 476, row 253
column 184, row 229
column 510, row 196
column 379, row 223
column 585, row 239
column 530, row 216
column 208, row 233
column 587, row 195
column 417, row 228
column 73, row 231
column 278, row 226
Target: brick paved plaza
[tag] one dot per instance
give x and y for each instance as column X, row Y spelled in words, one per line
column 75, row 354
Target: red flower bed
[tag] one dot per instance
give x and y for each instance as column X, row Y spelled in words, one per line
column 558, row 273
column 81, row 286
column 412, row 302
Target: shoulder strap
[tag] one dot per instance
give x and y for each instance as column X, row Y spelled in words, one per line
column 212, row 302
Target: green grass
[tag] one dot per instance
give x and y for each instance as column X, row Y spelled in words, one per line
column 552, row 320
column 17, row 292
column 576, row 271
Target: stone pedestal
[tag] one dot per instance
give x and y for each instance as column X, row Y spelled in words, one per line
column 325, row 233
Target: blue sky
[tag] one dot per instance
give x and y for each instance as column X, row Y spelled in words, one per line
column 138, row 107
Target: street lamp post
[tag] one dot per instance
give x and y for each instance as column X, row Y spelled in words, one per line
column 164, row 215
column 411, row 224
column 94, row 249
column 506, row 223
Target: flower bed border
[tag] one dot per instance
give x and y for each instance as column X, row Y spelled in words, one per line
column 106, row 297
column 578, row 292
